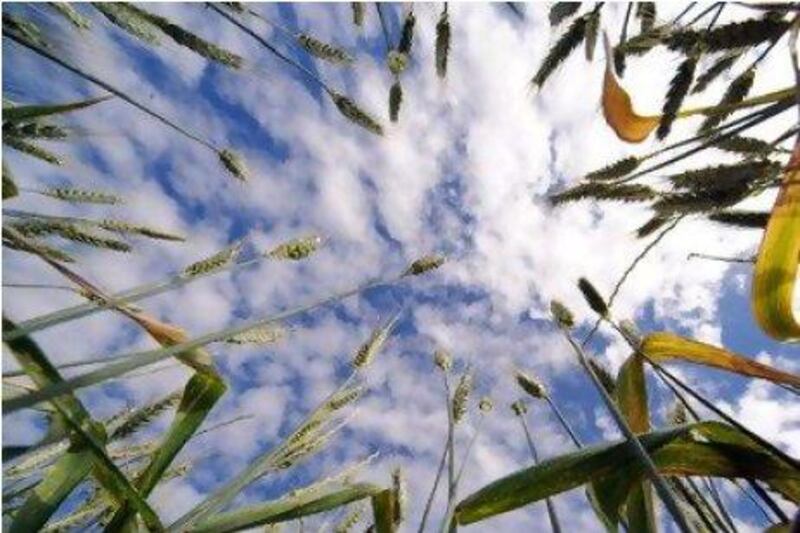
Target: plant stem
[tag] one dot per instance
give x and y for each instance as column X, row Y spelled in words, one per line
column 439, row 471
column 130, row 361
column 451, row 467
column 551, row 509
column 641, row 454
column 696, row 255
column 627, row 272
column 113, row 90
column 121, row 298
column 564, row 422
column 447, row 524
column 310, row 75
column 664, row 373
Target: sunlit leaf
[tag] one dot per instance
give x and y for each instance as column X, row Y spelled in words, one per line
column 663, row 346
column 775, row 274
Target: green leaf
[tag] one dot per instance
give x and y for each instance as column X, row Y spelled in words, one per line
column 727, row 454
column 383, row 511
column 29, row 112
column 291, row 508
column 59, row 481
column 631, row 396
column 202, row 392
column 89, row 435
column 705, row 459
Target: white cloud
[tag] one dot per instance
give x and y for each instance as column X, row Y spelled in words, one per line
column 465, row 171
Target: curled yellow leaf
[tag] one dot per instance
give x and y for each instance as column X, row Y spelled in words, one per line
column 618, row 107
column 663, row 346
column 775, row 274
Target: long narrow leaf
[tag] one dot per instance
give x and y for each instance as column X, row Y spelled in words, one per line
column 775, row 274
column 89, row 434
column 199, row 397
column 30, row 112
column 291, row 508
column 727, row 453
column 631, row 396
column 663, row 346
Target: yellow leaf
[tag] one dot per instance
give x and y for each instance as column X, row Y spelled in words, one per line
column 634, row 128
column 168, row 335
column 618, row 108
column 775, row 273
column 662, row 346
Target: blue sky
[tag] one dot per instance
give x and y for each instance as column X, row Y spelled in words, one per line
column 464, row 173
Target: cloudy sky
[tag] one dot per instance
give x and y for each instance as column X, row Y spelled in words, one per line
column 465, row 172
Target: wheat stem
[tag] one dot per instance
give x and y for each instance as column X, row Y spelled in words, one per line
column 567, row 427
column 551, row 509
column 447, row 523
column 641, row 454
column 432, row 494
column 263, row 42
column 100, row 83
column 627, row 273
column 664, row 373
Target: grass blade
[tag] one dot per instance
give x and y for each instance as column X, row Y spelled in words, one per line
column 292, row 508
column 775, row 273
column 30, row 112
column 202, row 392
column 662, row 346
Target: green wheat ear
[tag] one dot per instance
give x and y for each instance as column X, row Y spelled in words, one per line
column 233, row 163
column 442, row 43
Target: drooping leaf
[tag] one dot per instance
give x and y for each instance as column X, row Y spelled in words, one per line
column 618, row 107
column 662, row 346
column 722, row 451
column 775, row 274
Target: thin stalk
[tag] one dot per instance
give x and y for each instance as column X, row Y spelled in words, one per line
column 683, row 13
column 716, row 15
column 697, row 255
column 551, row 509
column 663, row 372
column 703, row 13
column 715, row 495
column 757, row 118
column 451, row 467
column 118, row 299
column 429, row 502
column 113, row 90
column 286, row 59
column 447, row 523
column 564, row 422
column 641, row 454
column 755, row 503
column 383, row 26
column 699, row 504
column 712, row 133
column 262, row 466
column 766, row 498
column 623, row 34
column 627, row 273
column 127, row 362
column 38, row 286
column 696, row 417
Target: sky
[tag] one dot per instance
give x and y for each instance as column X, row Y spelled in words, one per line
column 465, row 172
